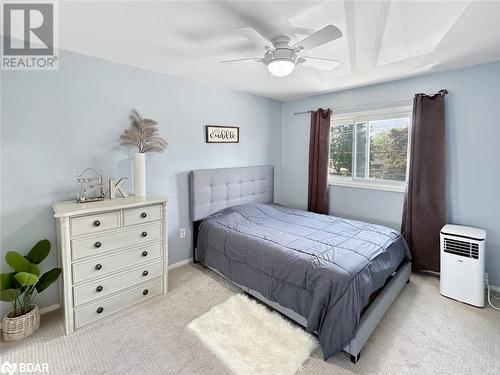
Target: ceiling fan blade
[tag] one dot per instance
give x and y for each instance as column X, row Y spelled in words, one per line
column 256, row 59
column 255, row 36
column 318, row 63
column 325, row 35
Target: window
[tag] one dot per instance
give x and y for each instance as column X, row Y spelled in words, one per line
column 370, row 149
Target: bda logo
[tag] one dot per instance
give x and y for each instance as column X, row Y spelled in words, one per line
column 8, row 368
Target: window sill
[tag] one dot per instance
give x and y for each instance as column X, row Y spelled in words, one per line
column 370, row 186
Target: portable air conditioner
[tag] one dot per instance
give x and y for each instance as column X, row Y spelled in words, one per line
column 462, row 264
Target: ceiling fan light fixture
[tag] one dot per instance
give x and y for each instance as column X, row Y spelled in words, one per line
column 280, row 57
column 281, row 67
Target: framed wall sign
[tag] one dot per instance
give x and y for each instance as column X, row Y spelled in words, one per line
column 222, row 134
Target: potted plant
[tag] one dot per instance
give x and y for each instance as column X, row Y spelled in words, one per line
column 21, row 286
column 144, row 135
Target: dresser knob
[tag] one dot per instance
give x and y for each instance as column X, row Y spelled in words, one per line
column 97, row 244
column 99, row 288
column 99, row 310
column 97, row 223
column 144, row 292
column 98, row 266
column 145, row 273
column 144, row 215
column 144, row 253
column 144, row 234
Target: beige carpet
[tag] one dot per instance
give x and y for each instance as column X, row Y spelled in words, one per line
column 423, row 333
column 253, row 340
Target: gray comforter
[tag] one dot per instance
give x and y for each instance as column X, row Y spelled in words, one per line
column 323, row 267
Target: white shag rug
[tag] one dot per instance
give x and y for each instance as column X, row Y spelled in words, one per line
column 251, row 340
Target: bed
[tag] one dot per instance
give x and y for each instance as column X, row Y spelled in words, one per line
column 335, row 277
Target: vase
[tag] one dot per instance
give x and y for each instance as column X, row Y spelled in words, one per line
column 19, row 327
column 139, row 175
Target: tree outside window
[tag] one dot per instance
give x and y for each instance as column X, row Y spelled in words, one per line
column 375, row 149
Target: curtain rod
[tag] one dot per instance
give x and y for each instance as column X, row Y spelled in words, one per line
column 441, row 92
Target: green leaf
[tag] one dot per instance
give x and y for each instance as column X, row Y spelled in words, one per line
column 34, row 270
column 6, row 281
column 47, row 278
column 15, row 283
column 26, row 279
column 39, row 252
column 9, row 295
column 17, row 261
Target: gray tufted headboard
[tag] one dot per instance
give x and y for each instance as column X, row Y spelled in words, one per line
column 211, row 190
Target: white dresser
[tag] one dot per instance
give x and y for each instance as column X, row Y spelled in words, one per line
column 113, row 254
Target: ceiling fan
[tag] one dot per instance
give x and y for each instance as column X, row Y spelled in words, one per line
column 281, row 57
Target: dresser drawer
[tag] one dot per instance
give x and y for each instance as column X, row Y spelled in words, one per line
column 105, row 307
column 108, row 285
column 105, row 265
column 94, row 223
column 141, row 215
column 102, row 243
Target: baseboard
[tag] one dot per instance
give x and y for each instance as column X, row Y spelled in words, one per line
column 47, row 309
column 180, row 264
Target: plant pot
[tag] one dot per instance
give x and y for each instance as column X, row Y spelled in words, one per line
column 19, row 327
column 139, row 175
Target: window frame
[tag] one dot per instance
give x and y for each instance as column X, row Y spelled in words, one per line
column 355, row 118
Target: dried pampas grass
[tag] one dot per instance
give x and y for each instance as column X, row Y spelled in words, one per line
column 143, row 134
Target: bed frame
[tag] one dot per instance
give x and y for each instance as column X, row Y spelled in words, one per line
column 212, row 190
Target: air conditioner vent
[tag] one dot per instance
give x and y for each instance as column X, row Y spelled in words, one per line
column 461, row 248
column 462, row 263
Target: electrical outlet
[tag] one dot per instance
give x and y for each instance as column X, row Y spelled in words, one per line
column 183, row 233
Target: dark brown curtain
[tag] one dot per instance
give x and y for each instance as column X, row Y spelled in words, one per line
column 319, row 143
column 424, row 210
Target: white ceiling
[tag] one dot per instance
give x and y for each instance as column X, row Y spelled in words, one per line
column 382, row 41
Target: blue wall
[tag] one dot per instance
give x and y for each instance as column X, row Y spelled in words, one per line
column 375, row 206
column 473, row 151
column 55, row 123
